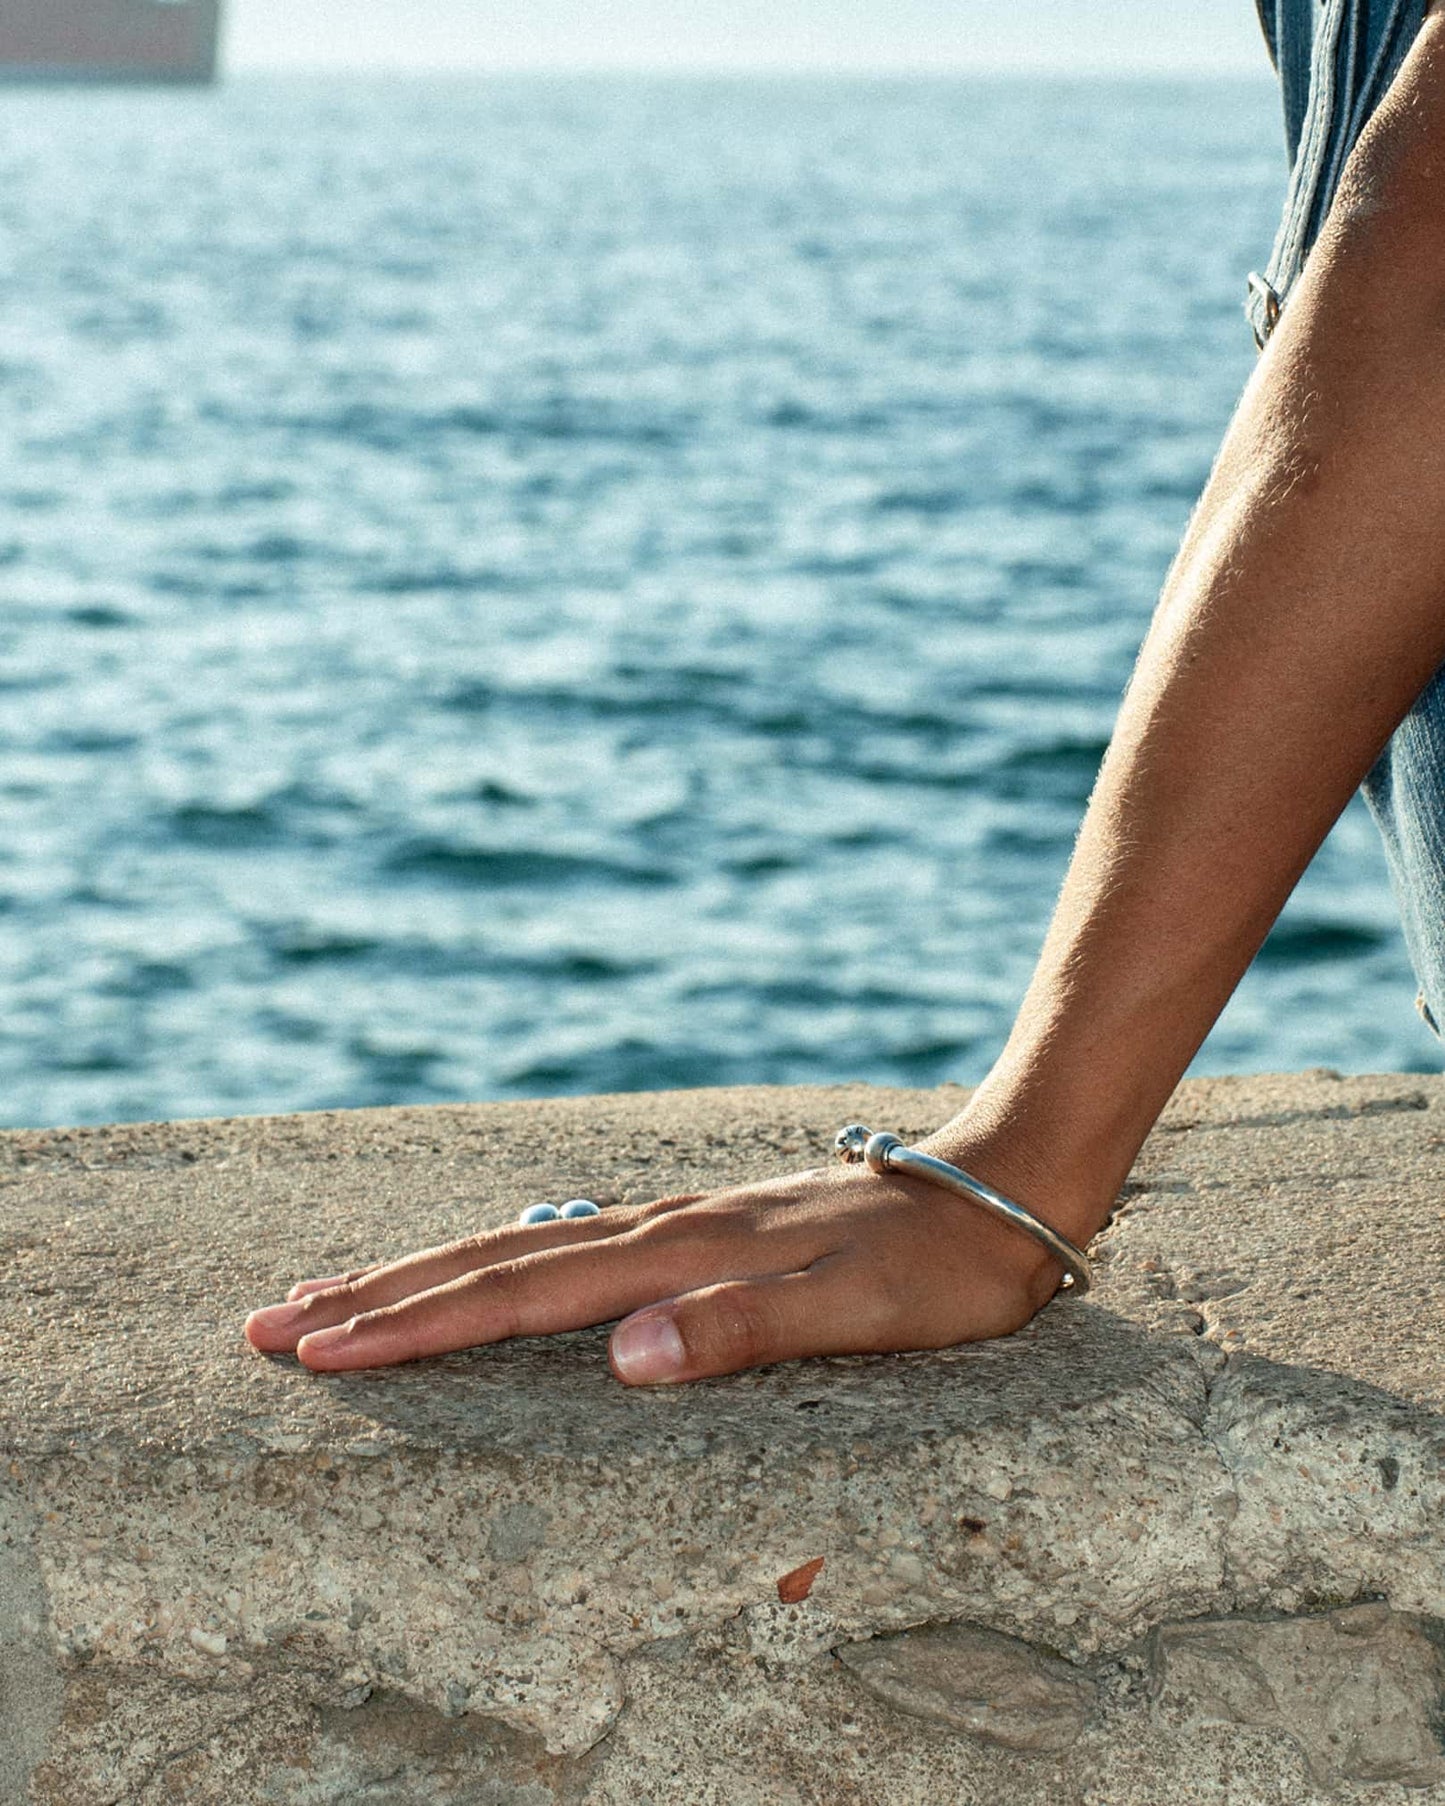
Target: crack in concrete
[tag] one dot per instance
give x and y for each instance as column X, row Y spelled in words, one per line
column 1283, row 1119
column 168, row 1758
column 1213, row 1363
column 32, row 1694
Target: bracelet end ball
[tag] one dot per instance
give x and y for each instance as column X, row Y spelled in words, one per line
column 849, row 1143
column 857, row 1144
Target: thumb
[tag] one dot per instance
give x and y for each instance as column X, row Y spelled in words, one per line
column 739, row 1323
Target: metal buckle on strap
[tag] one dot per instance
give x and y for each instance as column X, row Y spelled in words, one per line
column 1269, row 305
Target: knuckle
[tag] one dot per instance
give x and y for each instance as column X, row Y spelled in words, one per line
column 479, row 1245
column 654, row 1226
column 735, row 1330
column 887, row 1296
column 335, row 1298
column 661, row 1209
column 722, row 1218
column 499, row 1289
column 347, row 1325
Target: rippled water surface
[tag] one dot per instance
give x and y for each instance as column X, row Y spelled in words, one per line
column 533, row 586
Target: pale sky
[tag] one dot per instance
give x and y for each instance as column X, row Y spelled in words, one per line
column 1087, row 35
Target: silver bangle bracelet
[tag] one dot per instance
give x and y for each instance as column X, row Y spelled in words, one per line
column 885, row 1153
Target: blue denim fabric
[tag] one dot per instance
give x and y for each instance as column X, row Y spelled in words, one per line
column 1336, row 58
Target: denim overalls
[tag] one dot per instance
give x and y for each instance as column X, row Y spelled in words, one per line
column 1335, row 60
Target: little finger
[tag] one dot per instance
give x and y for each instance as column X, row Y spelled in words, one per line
column 277, row 1328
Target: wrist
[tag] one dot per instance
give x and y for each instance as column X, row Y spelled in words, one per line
column 1057, row 1175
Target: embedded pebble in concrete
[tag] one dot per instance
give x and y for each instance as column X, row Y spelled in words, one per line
column 978, row 1681
column 1361, row 1691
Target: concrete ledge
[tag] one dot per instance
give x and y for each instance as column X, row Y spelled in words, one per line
column 1183, row 1540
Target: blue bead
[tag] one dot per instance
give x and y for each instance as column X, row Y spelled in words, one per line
column 580, row 1207
column 540, row 1213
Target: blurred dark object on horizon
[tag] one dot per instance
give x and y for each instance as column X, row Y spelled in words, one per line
column 109, row 40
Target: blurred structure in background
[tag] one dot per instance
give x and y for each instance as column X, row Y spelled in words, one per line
column 109, row 40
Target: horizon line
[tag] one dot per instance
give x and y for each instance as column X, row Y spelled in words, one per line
column 1259, row 71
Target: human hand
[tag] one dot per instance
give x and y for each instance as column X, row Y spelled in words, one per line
column 829, row 1261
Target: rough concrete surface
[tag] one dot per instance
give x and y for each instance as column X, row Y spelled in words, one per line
column 501, row 1577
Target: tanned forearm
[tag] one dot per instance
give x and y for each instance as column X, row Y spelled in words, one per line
column 1303, row 615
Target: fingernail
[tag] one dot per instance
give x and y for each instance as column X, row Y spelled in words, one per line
column 276, row 1319
column 646, row 1350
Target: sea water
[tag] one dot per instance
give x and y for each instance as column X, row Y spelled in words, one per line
column 524, row 586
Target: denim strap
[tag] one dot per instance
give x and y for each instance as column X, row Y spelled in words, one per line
column 1336, row 60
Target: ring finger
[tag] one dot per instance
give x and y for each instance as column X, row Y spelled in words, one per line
column 320, row 1303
